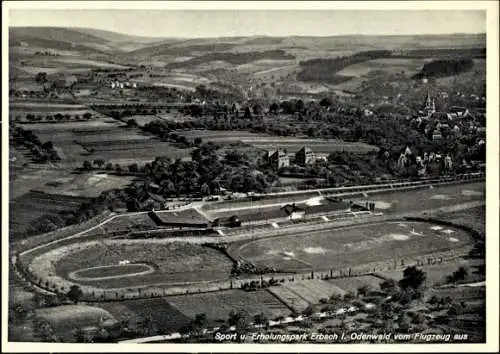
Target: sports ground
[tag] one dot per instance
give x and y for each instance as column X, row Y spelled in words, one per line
column 350, row 246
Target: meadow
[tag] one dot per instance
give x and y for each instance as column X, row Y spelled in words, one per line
column 31, row 206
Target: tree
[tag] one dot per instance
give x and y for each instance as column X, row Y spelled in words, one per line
column 260, row 319
column 412, row 278
column 205, row 190
column 44, row 331
column 87, row 166
column 131, row 123
column 349, row 295
column 133, row 168
column 299, row 106
column 325, row 102
column 404, row 323
column 308, row 311
column 388, row 285
column 109, row 166
column 197, row 141
column 239, row 319
column 257, row 109
column 99, row 162
column 247, row 114
column 273, row 108
column 87, row 115
column 75, row 293
column 48, row 145
column 458, row 275
column 363, row 290
column 41, row 77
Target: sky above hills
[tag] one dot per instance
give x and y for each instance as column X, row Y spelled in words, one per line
column 228, row 23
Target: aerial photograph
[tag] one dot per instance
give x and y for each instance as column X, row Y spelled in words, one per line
column 246, row 176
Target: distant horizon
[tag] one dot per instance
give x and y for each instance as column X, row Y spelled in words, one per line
column 191, row 24
column 265, row 35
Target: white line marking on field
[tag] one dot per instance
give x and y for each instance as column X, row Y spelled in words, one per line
column 325, row 218
column 448, row 232
column 436, row 228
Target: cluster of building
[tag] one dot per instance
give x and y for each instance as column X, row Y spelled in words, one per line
column 424, row 161
column 457, row 120
column 280, row 158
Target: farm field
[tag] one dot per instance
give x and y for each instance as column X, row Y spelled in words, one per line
column 300, row 294
column 352, row 284
column 218, row 305
column 165, row 318
column 24, row 179
column 19, row 110
column 174, row 263
column 86, row 185
column 65, row 319
column 389, row 65
column 104, row 139
column 59, row 181
column 267, row 142
column 142, row 120
column 73, row 62
column 31, row 206
column 351, row 246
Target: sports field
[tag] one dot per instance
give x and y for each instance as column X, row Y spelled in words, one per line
column 172, row 263
column 351, row 246
column 426, row 198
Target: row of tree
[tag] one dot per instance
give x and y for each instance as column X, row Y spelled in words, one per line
column 41, row 152
column 30, row 117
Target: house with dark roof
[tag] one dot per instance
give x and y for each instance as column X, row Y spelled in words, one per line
column 305, row 156
column 151, row 201
column 277, row 158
